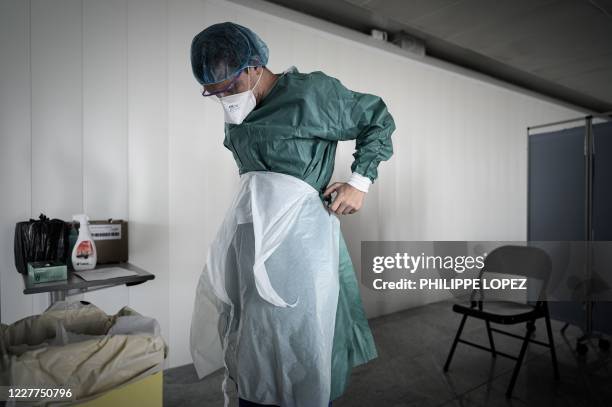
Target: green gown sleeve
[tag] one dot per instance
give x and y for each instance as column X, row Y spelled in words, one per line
column 364, row 118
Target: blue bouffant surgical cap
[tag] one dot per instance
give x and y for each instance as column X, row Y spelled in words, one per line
column 224, row 49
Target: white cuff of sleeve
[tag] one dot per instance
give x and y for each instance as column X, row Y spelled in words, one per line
column 360, row 182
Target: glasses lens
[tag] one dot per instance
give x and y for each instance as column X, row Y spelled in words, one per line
column 228, row 90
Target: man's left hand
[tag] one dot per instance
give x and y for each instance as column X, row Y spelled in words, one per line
column 348, row 199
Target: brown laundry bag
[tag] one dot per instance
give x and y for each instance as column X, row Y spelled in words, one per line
column 74, row 345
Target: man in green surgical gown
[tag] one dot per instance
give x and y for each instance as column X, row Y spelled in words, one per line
column 291, row 123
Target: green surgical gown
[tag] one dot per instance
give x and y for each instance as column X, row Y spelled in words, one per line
column 295, row 130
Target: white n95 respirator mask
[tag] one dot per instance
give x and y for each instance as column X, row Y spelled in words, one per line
column 238, row 106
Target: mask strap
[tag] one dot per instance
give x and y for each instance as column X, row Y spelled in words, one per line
column 256, row 83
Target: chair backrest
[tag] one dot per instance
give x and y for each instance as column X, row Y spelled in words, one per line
column 526, row 261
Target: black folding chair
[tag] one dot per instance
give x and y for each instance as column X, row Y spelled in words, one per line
column 529, row 262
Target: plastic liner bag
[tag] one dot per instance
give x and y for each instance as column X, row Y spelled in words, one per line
column 266, row 300
column 40, row 240
column 77, row 345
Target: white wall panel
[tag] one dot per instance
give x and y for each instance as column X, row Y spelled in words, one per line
column 105, row 141
column 105, row 108
column 191, row 185
column 57, row 126
column 57, row 111
column 15, row 150
column 147, row 107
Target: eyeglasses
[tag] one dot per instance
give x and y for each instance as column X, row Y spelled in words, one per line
column 228, row 88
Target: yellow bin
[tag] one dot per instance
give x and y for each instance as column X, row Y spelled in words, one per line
column 145, row 392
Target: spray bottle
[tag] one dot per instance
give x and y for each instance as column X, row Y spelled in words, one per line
column 84, row 255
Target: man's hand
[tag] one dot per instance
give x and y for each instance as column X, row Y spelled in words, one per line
column 348, row 199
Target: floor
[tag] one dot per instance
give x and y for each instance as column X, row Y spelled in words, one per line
column 413, row 346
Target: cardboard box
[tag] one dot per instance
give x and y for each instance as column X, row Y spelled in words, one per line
column 110, row 237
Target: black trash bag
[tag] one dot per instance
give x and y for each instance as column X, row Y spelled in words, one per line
column 41, row 240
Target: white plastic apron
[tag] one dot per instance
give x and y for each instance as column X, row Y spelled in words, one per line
column 266, row 300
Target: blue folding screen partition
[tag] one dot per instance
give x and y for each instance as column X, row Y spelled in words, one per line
column 602, row 181
column 569, row 202
column 602, row 215
column 556, row 207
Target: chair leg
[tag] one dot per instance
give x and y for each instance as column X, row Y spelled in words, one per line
column 491, row 343
column 519, row 361
column 551, row 342
column 452, row 350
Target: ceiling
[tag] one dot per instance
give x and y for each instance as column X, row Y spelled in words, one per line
column 560, row 48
